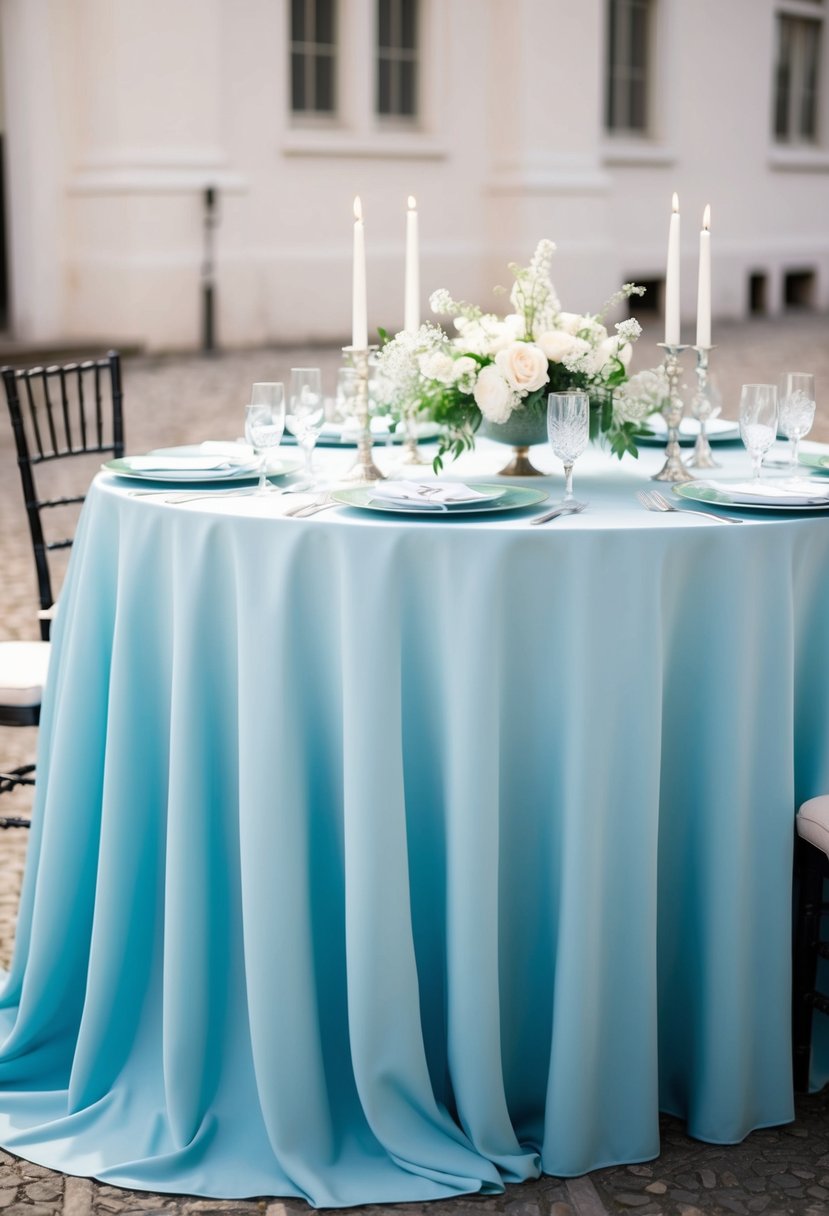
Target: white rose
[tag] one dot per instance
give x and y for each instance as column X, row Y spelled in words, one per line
column 437, row 365
column 523, row 365
column 493, row 395
column 558, row 345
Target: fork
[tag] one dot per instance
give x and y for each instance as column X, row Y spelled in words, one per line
column 654, row 501
column 321, row 503
column 562, row 509
column 182, row 497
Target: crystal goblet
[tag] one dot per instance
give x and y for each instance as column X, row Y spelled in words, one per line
column 758, row 421
column 797, row 410
column 265, row 424
column 568, row 429
column 306, row 413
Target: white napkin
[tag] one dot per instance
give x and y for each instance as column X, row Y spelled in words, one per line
column 230, row 448
column 349, row 430
column 795, row 493
column 689, row 427
column 437, row 495
column 180, row 464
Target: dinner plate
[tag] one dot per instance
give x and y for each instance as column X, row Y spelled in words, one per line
column 718, row 430
column 331, row 437
column 510, row 498
column 699, row 491
column 190, row 465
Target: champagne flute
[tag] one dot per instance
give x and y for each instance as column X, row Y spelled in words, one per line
column 568, row 428
column 306, row 413
column 264, row 425
column 758, row 421
column 797, row 410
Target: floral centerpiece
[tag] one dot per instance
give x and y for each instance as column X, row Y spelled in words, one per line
column 494, row 367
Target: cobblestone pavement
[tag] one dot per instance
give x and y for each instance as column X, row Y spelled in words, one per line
column 179, row 399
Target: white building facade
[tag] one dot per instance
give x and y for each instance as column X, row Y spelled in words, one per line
column 508, row 120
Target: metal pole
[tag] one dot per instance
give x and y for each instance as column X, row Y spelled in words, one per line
column 208, row 290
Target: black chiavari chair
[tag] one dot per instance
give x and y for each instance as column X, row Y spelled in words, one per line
column 57, row 412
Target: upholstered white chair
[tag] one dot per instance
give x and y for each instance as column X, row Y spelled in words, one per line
column 23, row 667
column 811, row 868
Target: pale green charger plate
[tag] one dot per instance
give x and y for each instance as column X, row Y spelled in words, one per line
column 815, row 460
column 718, row 498
column 124, row 467
column 512, row 498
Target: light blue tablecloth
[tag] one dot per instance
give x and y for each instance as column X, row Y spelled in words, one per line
column 378, row 859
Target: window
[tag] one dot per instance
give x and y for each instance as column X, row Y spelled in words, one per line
column 799, row 289
column 397, row 51
column 758, row 293
column 629, row 65
column 652, row 302
column 313, row 57
column 797, row 78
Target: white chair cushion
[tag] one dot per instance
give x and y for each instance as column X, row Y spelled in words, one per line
column 23, row 668
column 813, row 822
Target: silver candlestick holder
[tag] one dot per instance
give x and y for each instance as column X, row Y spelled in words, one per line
column 703, row 408
column 364, row 468
column 673, row 469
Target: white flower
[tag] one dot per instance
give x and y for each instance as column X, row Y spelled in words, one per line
column 558, row 345
column 465, row 372
column 493, row 396
column 437, row 365
column 440, row 301
column 523, row 365
column 640, row 396
column 498, row 334
column 587, row 363
column 629, row 330
column 513, row 324
column 593, row 331
column 570, row 322
column 615, row 348
column 542, row 259
column 483, row 335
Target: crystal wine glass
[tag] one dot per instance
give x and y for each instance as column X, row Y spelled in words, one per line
column 758, row 421
column 568, row 428
column 797, row 410
column 264, row 425
column 306, row 413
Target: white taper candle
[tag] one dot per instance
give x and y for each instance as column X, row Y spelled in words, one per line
column 672, row 279
column 411, row 309
column 359, row 314
column 704, row 285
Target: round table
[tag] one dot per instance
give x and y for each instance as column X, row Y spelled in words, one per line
column 381, row 858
